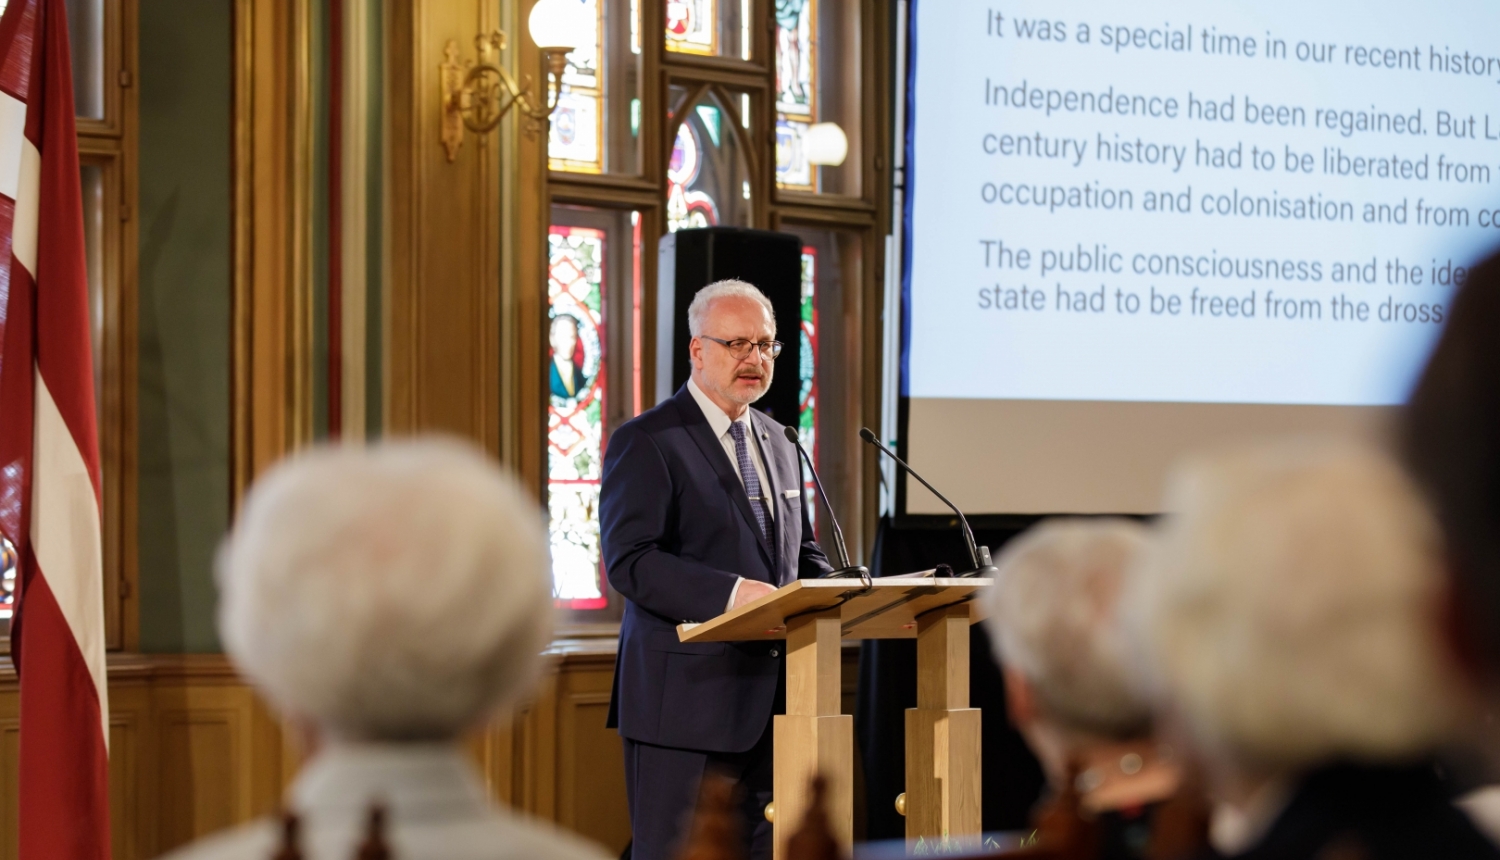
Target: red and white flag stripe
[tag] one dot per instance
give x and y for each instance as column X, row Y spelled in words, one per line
column 49, row 452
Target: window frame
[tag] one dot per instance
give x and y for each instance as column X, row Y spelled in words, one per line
column 771, row 206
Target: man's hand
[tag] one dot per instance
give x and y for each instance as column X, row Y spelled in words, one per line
column 750, row 591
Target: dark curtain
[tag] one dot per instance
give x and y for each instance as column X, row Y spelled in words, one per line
column 888, row 686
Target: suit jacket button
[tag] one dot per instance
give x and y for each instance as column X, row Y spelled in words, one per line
column 775, row 653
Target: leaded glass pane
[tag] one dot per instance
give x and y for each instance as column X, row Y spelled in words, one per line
column 817, row 81
column 575, row 412
column 708, row 179
column 807, row 372
column 86, row 47
column 596, row 127
column 796, row 89
column 714, row 28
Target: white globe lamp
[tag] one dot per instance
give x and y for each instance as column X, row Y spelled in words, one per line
column 825, row 144
column 559, row 25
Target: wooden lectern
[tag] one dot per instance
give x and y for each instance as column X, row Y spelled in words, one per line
column 942, row 732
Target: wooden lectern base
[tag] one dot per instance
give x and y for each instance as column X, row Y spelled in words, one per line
column 942, row 732
column 813, row 737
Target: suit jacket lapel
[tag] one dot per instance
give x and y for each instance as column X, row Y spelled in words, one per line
column 727, row 472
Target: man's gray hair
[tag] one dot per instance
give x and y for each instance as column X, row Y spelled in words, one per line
column 698, row 310
column 398, row 591
column 1289, row 607
column 1053, row 619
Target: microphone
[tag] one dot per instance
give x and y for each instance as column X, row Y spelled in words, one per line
column 846, row 570
column 978, row 555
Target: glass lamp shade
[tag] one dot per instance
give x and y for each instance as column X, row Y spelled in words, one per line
column 826, row 144
column 559, row 24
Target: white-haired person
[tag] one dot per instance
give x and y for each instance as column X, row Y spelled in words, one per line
column 1053, row 616
column 1288, row 613
column 386, row 600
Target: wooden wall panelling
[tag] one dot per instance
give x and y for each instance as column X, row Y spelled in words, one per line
column 216, row 756
column 129, row 725
column 193, row 749
column 590, row 781
column 444, row 325
column 10, row 725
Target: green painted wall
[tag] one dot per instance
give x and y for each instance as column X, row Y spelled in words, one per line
column 185, row 266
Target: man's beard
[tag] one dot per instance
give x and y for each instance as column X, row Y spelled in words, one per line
column 735, row 394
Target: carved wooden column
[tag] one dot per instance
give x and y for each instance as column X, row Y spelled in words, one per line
column 271, row 355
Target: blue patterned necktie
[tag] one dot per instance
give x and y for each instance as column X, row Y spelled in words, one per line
column 752, row 480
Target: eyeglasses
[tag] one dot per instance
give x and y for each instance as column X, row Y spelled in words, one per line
column 740, row 348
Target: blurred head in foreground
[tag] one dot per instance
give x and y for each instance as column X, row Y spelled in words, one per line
column 1451, row 443
column 396, row 592
column 1053, row 619
column 1288, row 612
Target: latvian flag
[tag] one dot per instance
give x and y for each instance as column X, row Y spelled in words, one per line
column 49, row 451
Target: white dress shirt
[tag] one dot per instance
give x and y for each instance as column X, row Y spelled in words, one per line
column 436, row 809
column 719, row 422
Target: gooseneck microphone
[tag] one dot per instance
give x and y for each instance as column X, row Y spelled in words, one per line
column 978, row 555
column 846, row 570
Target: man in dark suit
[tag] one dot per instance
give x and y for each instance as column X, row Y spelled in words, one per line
column 702, row 511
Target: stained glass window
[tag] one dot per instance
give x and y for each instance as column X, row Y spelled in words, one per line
column 708, row 181
column 596, row 127
column 577, row 136
column 796, row 89
column 718, row 28
column 691, row 27
column 818, row 80
column 807, row 371
column 688, row 206
column 575, row 412
column 7, row 579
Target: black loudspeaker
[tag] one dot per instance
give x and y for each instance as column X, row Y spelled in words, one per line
column 690, row 260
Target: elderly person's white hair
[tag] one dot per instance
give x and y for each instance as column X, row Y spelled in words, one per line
column 1288, row 607
column 1052, row 616
column 393, row 592
column 698, row 308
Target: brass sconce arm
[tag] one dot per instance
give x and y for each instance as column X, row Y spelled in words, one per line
column 477, row 95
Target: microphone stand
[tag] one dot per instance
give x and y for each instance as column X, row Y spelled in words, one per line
column 979, row 556
column 846, row 570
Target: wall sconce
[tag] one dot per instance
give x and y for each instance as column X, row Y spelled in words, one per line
column 477, row 95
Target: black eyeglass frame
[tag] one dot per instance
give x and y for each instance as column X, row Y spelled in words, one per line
column 769, row 349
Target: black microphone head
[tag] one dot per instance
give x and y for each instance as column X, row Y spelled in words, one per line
column 865, row 434
column 791, row 435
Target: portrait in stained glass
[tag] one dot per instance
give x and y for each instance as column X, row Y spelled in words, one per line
column 575, row 412
column 807, row 370
column 796, row 89
column 692, row 27
column 576, row 141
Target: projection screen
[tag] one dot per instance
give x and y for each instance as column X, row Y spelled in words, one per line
column 1133, row 231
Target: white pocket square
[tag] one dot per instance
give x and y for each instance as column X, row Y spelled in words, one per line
column 790, row 494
